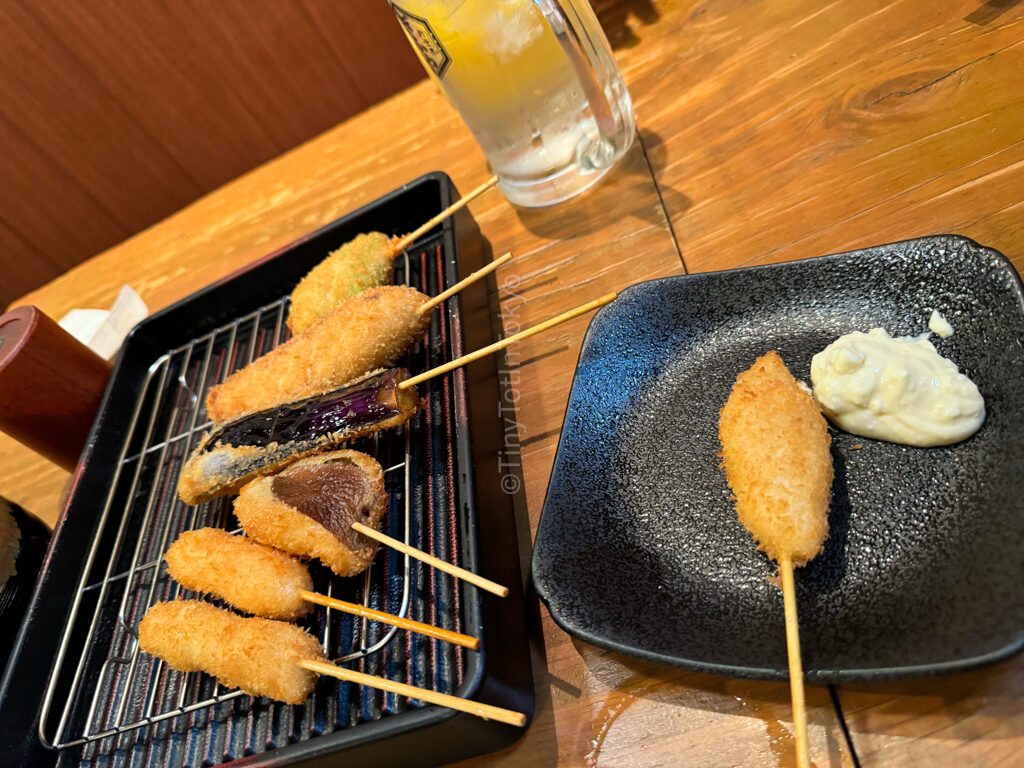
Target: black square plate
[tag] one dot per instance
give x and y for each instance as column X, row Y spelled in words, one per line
column 639, row 549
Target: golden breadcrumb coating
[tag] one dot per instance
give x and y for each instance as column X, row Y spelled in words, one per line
column 270, row 521
column 370, row 330
column 216, row 469
column 775, row 451
column 257, row 655
column 363, row 262
column 198, row 482
column 251, row 577
column 10, row 543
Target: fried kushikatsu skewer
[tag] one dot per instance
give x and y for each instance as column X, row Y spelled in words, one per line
column 263, row 442
column 257, row 655
column 308, row 509
column 260, row 443
column 268, row 658
column 775, row 451
column 363, row 262
column 367, row 331
column 256, row 579
column 268, row 583
column 317, row 508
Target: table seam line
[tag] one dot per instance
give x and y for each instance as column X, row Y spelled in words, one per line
column 843, row 725
column 661, row 201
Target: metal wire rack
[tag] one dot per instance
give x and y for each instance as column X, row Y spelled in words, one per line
column 107, row 696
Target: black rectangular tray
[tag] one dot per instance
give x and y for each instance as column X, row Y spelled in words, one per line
column 379, row 729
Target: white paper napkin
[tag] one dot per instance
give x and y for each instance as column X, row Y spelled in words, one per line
column 103, row 330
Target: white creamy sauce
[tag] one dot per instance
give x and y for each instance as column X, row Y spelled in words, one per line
column 939, row 325
column 896, row 389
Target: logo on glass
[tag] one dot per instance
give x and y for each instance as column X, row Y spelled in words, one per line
column 423, row 36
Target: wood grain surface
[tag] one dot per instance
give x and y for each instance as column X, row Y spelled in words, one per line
column 119, row 112
column 768, row 131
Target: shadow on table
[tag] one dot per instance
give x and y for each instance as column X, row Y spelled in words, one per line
column 628, row 191
column 614, row 16
column 992, row 699
column 673, row 201
column 990, row 11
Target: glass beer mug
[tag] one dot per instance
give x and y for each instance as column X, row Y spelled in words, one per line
column 536, row 83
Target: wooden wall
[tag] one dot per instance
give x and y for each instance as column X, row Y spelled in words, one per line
column 116, row 113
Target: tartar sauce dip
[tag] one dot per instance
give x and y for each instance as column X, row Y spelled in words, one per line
column 896, row 389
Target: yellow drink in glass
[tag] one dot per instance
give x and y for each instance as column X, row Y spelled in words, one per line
column 510, row 77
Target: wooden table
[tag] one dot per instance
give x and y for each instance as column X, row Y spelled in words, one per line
column 768, row 131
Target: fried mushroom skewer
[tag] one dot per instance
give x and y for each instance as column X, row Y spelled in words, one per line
column 318, row 508
column 308, row 509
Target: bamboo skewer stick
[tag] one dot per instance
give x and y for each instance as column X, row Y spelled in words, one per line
column 441, row 565
column 473, row 643
column 427, row 306
column 796, row 670
column 462, row 202
column 486, row 711
column 499, row 345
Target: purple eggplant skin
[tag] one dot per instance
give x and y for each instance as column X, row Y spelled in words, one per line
column 264, row 442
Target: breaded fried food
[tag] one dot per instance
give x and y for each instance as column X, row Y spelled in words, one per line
column 261, row 443
column 363, row 262
column 775, row 451
column 308, row 509
column 368, row 331
column 257, row 655
column 10, row 543
column 251, row 577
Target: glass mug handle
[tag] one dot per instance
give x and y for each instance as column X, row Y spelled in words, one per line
column 568, row 35
column 565, row 23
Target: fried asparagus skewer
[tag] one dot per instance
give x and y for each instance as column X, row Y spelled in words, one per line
column 326, row 507
column 269, row 583
column 268, row 658
column 263, row 442
column 458, row 205
column 367, row 331
column 775, row 451
column 363, row 262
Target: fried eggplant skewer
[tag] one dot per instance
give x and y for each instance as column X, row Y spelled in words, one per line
column 266, row 582
column 268, row 658
column 263, row 442
column 775, row 451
